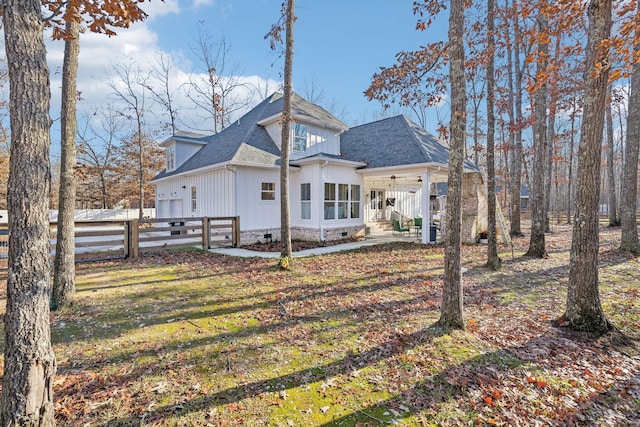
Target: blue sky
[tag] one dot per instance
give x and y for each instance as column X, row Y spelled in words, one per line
column 339, row 45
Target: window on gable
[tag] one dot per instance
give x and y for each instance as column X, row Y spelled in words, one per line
column 268, row 191
column 171, row 158
column 299, row 137
column 305, row 201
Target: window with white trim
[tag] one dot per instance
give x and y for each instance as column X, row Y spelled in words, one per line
column 341, row 201
column 194, row 199
column 171, row 158
column 299, row 137
column 305, row 201
column 268, row 191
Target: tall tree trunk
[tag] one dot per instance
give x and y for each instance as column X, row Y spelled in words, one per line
column 572, row 138
column 29, row 361
column 451, row 315
column 516, row 179
column 285, row 221
column 64, row 282
column 611, row 179
column 551, row 137
column 537, row 241
column 629, row 241
column 584, row 311
column 140, row 171
column 493, row 260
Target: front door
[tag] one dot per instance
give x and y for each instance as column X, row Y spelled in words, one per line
column 377, row 206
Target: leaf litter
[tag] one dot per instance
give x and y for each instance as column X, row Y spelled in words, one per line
column 192, row 338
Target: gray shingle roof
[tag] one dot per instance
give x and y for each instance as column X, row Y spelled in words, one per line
column 244, row 141
column 395, row 141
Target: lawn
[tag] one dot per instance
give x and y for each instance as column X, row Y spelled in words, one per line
column 188, row 338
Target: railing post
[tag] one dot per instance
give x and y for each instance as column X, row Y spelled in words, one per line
column 236, row 232
column 134, row 238
column 206, row 233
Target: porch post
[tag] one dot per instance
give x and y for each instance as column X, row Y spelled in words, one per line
column 426, row 209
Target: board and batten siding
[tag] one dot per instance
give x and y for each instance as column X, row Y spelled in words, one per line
column 255, row 213
column 215, row 195
column 319, row 140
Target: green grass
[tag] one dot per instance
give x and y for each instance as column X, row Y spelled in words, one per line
column 192, row 338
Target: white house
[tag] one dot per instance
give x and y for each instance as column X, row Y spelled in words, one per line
column 341, row 178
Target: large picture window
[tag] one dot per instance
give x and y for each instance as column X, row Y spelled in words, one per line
column 341, row 201
column 305, row 201
column 268, row 191
column 299, row 137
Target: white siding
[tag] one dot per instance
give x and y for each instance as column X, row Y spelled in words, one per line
column 319, row 140
column 254, row 212
column 215, row 195
column 184, row 151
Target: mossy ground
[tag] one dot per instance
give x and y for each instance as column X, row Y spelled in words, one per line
column 191, row 338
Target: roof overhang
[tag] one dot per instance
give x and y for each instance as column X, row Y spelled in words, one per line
column 277, row 117
column 218, row 166
column 326, row 159
column 177, row 138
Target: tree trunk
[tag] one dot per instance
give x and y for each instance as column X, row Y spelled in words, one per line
column 584, row 311
column 537, row 241
column 516, row 179
column 572, row 138
column 452, row 310
column 551, row 137
column 611, row 180
column 629, row 241
column 64, row 285
column 285, row 222
column 29, row 361
column 493, row 260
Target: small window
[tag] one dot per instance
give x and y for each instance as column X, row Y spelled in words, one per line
column 171, row 158
column 268, row 191
column 305, row 201
column 329, row 201
column 194, row 198
column 355, row 201
column 299, row 137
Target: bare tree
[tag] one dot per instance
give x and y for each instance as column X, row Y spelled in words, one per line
column 220, row 93
column 611, row 180
column 159, row 86
column 129, row 86
column 29, row 360
column 584, row 311
column 629, row 240
column 493, row 260
column 64, row 277
column 537, row 247
column 98, row 155
column 451, row 314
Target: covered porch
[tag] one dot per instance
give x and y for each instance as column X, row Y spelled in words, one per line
column 419, row 192
column 408, row 195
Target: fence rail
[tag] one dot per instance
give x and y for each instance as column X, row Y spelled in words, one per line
column 100, row 240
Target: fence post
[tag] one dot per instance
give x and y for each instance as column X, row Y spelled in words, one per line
column 235, row 235
column 206, row 233
column 127, row 239
column 134, row 238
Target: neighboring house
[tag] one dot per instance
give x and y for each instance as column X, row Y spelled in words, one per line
column 341, row 178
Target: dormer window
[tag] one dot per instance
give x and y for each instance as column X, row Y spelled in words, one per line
column 171, row 158
column 300, row 137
